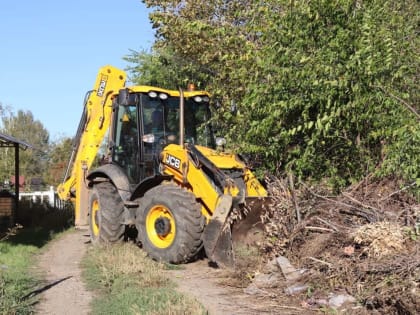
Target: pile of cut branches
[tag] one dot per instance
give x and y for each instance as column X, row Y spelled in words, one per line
column 364, row 241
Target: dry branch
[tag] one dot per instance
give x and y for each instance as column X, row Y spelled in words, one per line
column 292, row 192
column 358, row 202
column 317, row 228
column 398, row 191
column 320, row 261
column 327, row 223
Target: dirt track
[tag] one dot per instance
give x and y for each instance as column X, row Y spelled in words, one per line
column 204, row 283
column 64, row 292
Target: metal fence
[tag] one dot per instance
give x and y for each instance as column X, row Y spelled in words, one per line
column 47, row 197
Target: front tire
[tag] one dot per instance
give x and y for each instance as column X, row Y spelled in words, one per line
column 170, row 224
column 106, row 211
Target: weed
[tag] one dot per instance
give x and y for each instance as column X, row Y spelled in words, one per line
column 248, row 262
column 131, row 283
column 17, row 249
column 16, row 258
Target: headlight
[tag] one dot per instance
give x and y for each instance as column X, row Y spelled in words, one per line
column 198, row 99
column 201, row 98
column 163, row 96
column 152, row 94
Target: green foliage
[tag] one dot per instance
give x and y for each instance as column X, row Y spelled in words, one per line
column 326, row 101
column 206, row 40
column 45, row 160
column 162, row 68
column 33, row 162
column 322, row 88
column 58, row 157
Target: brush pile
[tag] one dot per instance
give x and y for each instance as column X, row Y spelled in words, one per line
column 364, row 242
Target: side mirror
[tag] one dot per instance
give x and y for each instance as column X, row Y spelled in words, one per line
column 123, row 96
column 126, row 98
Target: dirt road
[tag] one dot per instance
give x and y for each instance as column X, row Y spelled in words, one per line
column 64, row 292
column 205, row 284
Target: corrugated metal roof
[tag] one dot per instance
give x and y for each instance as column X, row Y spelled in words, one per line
column 6, row 139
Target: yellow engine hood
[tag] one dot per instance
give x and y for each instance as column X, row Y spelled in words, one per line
column 222, row 160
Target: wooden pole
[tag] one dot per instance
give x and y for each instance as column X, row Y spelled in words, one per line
column 17, row 183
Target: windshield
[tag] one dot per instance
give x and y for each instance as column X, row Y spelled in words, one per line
column 145, row 125
column 161, row 121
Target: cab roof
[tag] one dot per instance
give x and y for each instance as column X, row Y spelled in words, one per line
column 175, row 93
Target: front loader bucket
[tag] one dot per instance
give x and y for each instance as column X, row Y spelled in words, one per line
column 220, row 235
column 217, row 237
column 248, row 230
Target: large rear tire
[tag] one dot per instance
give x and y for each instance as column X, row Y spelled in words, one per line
column 170, row 224
column 106, row 211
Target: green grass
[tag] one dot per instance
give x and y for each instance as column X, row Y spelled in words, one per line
column 15, row 281
column 128, row 282
column 17, row 258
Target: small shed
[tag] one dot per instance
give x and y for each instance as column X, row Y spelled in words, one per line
column 9, row 202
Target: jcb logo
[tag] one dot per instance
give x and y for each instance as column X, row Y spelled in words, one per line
column 102, row 85
column 173, row 161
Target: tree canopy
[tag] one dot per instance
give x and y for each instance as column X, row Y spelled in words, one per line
column 23, row 126
column 322, row 88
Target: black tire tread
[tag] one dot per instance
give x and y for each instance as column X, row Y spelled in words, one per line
column 111, row 211
column 189, row 219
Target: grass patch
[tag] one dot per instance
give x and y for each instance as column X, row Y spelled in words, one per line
column 18, row 248
column 15, row 281
column 16, row 259
column 128, row 282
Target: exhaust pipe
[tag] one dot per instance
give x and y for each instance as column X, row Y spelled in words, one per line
column 181, row 117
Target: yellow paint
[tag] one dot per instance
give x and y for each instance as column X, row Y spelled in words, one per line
column 94, row 218
column 200, row 185
column 99, row 109
column 160, row 241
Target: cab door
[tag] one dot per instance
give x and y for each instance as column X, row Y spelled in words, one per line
column 126, row 147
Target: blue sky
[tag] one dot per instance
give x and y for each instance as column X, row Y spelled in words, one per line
column 52, row 50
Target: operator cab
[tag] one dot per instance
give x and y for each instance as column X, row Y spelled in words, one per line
column 146, row 121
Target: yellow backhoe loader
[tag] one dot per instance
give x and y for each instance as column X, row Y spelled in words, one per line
column 160, row 175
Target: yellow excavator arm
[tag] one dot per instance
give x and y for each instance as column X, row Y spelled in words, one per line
column 93, row 126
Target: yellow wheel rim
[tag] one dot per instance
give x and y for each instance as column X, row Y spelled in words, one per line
column 94, row 218
column 160, row 226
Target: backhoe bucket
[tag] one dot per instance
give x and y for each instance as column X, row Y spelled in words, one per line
column 219, row 237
